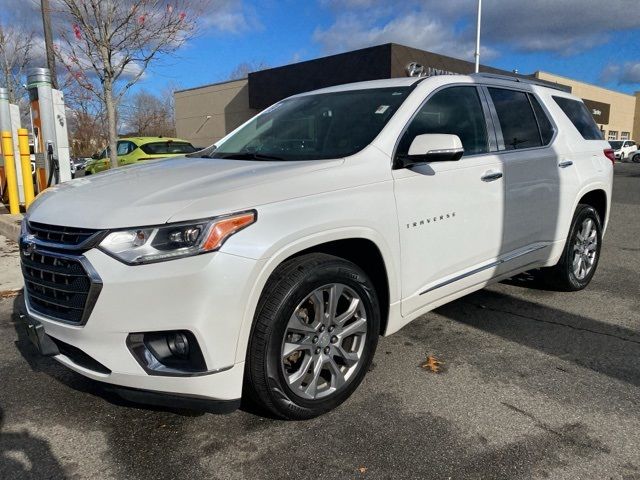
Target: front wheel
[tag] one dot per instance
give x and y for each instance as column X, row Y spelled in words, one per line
column 579, row 260
column 636, row 158
column 315, row 334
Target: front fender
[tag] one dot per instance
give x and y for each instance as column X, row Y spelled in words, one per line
column 281, row 251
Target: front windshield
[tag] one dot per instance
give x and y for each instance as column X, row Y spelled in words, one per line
column 312, row 127
column 615, row 145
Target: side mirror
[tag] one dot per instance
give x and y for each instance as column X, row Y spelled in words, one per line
column 432, row 147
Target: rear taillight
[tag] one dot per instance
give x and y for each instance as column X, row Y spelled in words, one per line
column 608, row 152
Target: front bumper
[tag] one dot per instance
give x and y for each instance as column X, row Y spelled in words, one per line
column 205, row 295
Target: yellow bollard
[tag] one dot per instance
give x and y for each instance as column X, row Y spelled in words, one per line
column 10, row 172
column 25, row 163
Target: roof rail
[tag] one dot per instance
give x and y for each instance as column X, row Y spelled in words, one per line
column 523, row 79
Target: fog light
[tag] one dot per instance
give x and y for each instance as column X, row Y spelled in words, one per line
column 174, row 352
column 178, row 344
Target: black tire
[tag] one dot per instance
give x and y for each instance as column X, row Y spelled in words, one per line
column 289, row 285
column 636, row 158
column 561, row 277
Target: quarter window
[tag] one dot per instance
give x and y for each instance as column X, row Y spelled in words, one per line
column 581, row 118
column 516, row 117
column 125, row 148
column 453, row 111
column 546, row 129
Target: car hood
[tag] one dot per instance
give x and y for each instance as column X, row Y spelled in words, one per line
column 176, row 189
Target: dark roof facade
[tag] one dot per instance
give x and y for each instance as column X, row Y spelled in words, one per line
column 390, row 60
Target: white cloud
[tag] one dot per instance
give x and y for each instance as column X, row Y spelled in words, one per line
column 626, row 74
column 414, row 30
column 563, row 27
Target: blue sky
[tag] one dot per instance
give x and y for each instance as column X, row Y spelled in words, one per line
column 593, row 41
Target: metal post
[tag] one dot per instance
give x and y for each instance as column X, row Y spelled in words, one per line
column 10, row 171
column 477, row 53
column 48, row 41
column 25, row 162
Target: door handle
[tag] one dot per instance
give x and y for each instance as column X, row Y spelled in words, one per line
column 565, row 164
column 490, row 177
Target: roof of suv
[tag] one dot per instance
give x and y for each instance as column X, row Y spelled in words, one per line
column 503, row 80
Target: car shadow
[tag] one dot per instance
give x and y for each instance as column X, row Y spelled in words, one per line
column 24, row 456
column 603, row 347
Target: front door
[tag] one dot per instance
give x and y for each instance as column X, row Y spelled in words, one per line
column 450, row 213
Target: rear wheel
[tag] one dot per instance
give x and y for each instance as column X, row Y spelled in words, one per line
column 579, row 260
column 314, row 337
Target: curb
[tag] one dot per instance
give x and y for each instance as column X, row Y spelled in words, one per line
column 10, row 226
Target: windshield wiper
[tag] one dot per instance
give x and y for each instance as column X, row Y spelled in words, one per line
column 247, row 156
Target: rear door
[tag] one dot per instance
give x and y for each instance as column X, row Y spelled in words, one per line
column 532, row 170
column 450, row 213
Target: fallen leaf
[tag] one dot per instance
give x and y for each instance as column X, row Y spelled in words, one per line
column 432, row 364
column 9, row 293
column 362, row 469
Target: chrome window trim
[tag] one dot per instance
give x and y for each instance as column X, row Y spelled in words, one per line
column 498, row 128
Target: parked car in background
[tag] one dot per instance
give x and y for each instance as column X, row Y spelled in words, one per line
column 269, row 266
column 136, row 149
column 623, row 149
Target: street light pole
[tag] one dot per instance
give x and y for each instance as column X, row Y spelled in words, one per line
column 477, row 53
column 48, row 41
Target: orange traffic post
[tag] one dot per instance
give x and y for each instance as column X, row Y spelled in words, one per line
column 25, row 163
column 10, row 172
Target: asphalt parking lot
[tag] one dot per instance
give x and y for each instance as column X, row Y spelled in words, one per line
column 535, row 384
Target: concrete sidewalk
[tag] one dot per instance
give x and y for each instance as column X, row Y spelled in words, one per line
column 9, row 224
column 10, row 274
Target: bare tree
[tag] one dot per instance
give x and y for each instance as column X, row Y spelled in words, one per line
column 148, row 115
column 107, row 45
column 16, row 48
column 86, row 118
column 242, row 70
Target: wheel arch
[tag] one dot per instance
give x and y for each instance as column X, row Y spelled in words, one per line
column 362, row 247
column 597, row 198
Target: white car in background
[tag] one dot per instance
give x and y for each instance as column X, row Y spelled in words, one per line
column 623, row 149
column 267, row 267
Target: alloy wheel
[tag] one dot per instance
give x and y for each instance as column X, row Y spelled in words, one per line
column 585, row 249
column 324, row 341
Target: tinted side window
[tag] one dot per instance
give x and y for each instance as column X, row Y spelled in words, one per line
column 455, row 111
column 518, row 123
column 163, row 148
column 580, row 117
column 546, row 129
column 125, row 148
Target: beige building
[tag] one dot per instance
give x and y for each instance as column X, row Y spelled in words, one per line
column 617, row 114
column 206, row 114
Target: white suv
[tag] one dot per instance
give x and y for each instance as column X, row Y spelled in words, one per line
column 266, row 266
column 623, row 149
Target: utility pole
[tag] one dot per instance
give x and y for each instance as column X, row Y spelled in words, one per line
column 477, row 54
column 48, row 41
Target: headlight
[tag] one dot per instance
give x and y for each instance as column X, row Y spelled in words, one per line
column 156, row 244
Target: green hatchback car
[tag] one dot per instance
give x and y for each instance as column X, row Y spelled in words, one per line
column 136, row 149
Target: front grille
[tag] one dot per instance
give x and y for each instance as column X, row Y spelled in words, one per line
column 62, row 287
column 66, row 236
